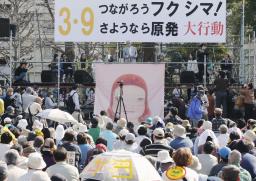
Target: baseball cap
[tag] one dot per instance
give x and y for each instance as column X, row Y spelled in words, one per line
column 224, row 152
column 130, row 137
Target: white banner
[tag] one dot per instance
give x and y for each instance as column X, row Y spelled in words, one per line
column 143, row 90
column 140, row 21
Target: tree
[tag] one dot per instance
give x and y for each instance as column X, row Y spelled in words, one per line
column 21, row 14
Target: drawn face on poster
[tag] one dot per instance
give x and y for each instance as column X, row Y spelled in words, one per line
column 135, row 96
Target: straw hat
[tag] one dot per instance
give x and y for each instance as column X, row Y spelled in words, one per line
column 122, row 123
column 249, row 135
column 185, row 123
column 179, row 131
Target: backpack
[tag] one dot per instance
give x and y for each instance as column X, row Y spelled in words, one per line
column 70, row 104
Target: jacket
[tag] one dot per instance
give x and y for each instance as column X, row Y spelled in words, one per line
column 195, row 109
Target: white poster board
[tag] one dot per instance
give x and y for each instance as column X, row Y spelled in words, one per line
column 143, row 90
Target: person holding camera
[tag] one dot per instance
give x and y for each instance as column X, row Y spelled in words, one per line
column 21, row 72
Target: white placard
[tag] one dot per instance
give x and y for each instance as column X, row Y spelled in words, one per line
column 140, row 21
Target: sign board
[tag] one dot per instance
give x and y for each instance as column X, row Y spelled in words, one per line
column 140, row 21
column 142, row 91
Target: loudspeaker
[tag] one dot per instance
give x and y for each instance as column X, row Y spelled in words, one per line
column 49, row 76
column 82, row 77
column 5, row 27
column 187, row 77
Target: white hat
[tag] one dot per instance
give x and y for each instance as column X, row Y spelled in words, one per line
column 207, row 125
column 60, row 132
column 163, row 156
column 130, row 137
column 23, row 123
column 36, row 161
column 179, row 131
column 249, row 135
column 196, row 165
column 123, row 132
column 7, row 120
column 37, row 125
column 40, row 176
column 159, row 132
column 80, row 128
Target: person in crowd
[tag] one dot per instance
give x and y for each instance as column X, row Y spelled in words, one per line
column 22, row 160
column 177, row 92
column 130, row 53
column 97, row 60
column 72, row 148
column 248, row 160
column 62, row 167
column 120, row 142
column 183, row 159
column 230, row 173
column 192, row 64
column 3, row 173
column 47, row 152
column 163, row 161
column 82, row 141
column 221, row 87
column 11, row 159
column 35, row 164
column 49, row 102
column 75, row 97
column 28, row 97
column 21, row 72
column 2, row 109
column 130, row 143
column 100, row 147
column 8, row 99
column 109, row 135
column 33, row 109
column 172, row 116
column 218, row 120
column 195, row 109
column 142, row 133
column 38, row 143
column 94, row 131
column 159, row 143
column 9, row 113
column 223, row 154
column 180, row 140
column 223, row 138
column 17, row 100
column 226, row 65
column 211, row 107
column 5, row 143
column 248, row 93
column 207, row 159
column 235, row 158
column 121, row 124
column 67, row 68
column 202, row 56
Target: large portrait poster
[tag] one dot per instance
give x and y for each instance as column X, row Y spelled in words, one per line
column 143, row 90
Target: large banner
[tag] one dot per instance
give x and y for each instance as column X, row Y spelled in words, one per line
column 142, row 89
column 140, row 21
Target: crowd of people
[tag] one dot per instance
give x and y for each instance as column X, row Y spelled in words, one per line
column 196, row 140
